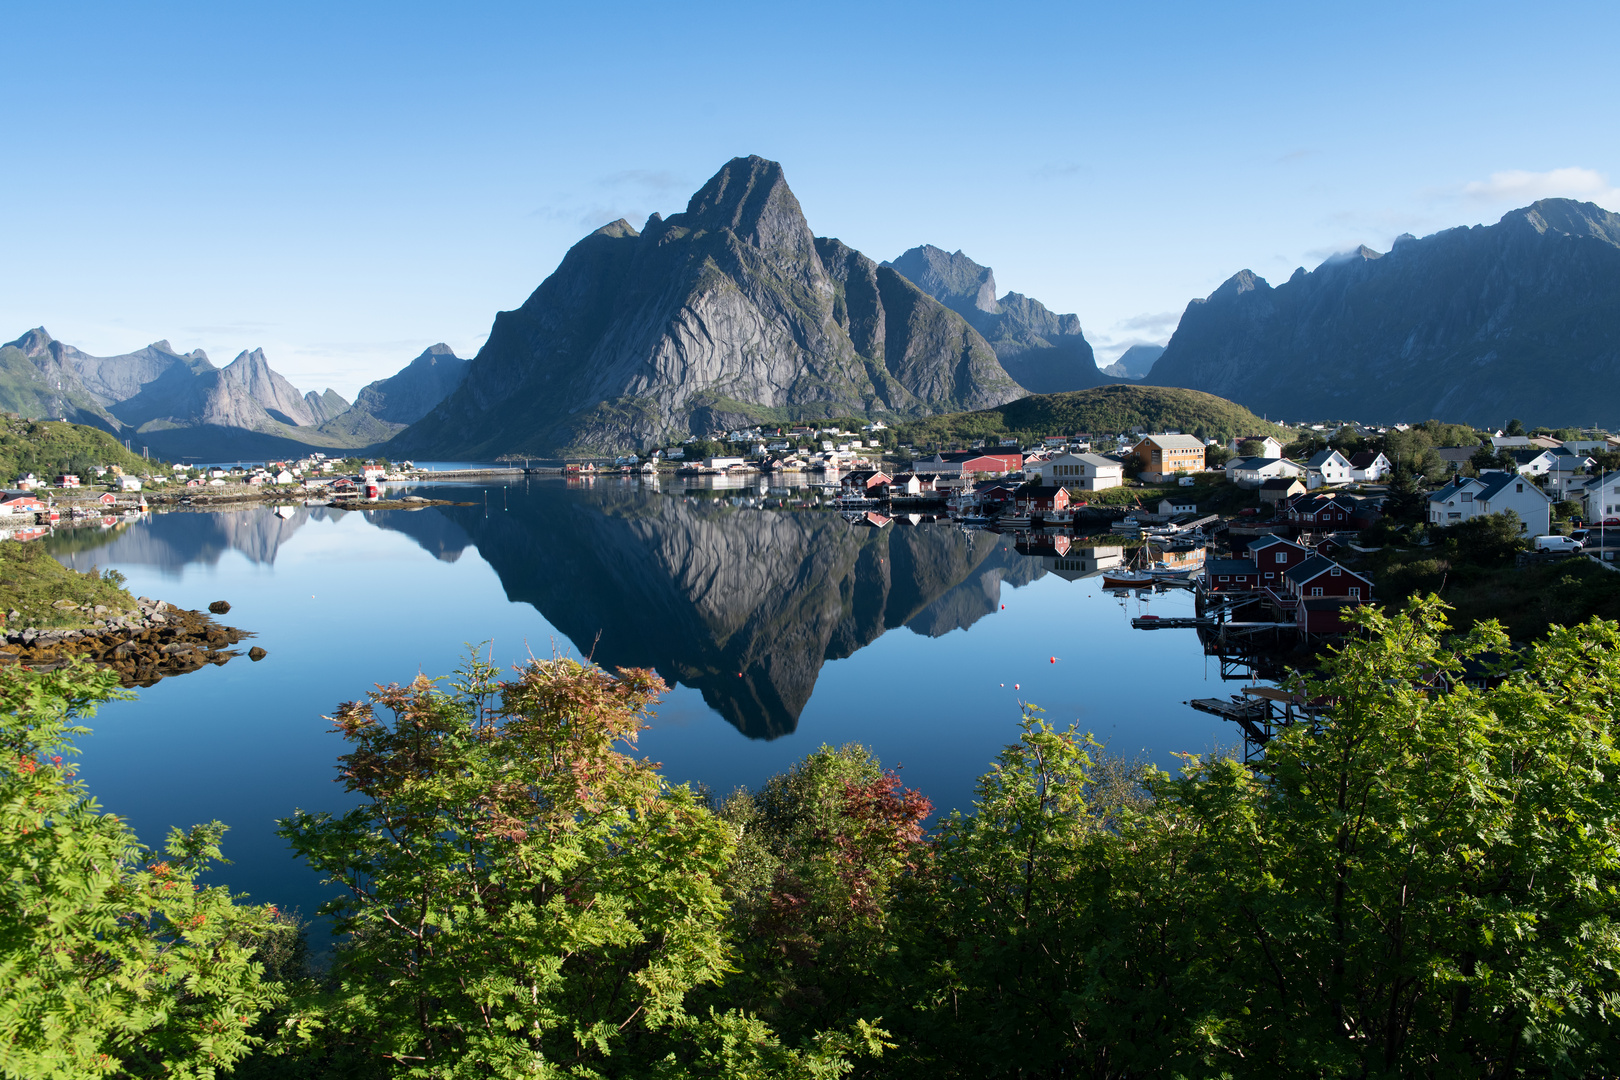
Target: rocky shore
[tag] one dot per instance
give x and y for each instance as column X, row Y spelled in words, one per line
column 155, row 641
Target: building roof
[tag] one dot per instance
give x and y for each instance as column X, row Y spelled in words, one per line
column 1272, row 540
column 1041, row 491
column 1315, row 567
column 1281, row 483
column 1175, row 442
column 1322, row 457
column 1228, row 566
column 1098, row 461
column 1490, row 483
column 1366, row 459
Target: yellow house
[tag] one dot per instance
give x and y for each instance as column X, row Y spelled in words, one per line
column 1166, row 455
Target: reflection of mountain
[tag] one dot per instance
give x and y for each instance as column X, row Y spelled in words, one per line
column 171, row 541
column 744, row 605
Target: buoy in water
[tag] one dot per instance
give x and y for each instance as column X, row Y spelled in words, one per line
column 1015, row 686
column 1054, row 659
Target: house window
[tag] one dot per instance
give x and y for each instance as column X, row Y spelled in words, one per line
column 1316, row 590
column 1225, row 577
column 1468, row 496
column 1453, row 516
column 1282, row 556
column 1334, row 572
column 1269, row 575
column 1355, row 592
column 1519, row 488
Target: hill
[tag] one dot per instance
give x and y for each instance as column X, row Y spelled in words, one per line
column 47, row 448
column 1101, row 409
column 1516, row 319
column 730, row 312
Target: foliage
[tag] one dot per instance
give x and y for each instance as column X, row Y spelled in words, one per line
column 49, row 448
column 821, row 849
column 1218, row 455
column 523, row 898
column 1515, row 427
column 32, row 583
column 1487, row 540
column 1102, row 409
column 112, row 960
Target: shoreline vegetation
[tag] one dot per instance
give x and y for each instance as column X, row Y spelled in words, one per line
column 1422, row 882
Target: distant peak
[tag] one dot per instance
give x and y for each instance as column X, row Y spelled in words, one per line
column 1241, row 282
column 1570, row 218
column 34, row 341
column 434, row 354
column 162, row 345
column 617, row 229
column 950, row 277
column 749, row 196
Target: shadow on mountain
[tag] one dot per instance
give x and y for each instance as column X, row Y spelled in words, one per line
column 745, row 605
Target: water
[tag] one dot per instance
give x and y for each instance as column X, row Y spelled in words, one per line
column 778, row 629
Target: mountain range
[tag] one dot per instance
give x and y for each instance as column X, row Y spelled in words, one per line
column 180, row 405
column 731, row 312
column 1471, row 325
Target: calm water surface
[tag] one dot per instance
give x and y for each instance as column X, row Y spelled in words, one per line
column 778, row 630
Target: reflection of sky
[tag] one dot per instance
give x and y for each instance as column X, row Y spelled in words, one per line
column 341, row 604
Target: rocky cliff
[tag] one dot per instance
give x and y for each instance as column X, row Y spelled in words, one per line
column 1473, row 325
column 37, row 382
column 729, row 311
column 387, row 406
column 1135, row 362
column 1046, row 352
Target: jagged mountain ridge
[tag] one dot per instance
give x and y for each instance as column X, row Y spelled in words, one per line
column 1135, row 362
column 181, row 405
column 731, row 311
column 1046, row 352
column 1473, row 325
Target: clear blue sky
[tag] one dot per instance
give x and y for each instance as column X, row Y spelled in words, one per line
column 345, row 184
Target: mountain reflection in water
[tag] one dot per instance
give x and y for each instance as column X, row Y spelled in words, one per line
column 743, row 604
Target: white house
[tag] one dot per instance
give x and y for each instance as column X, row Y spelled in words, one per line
column 129, row 483
column 1329, row 468
column 1172, row 507
column 1088, row 472
column 283, row 477
column 1602, row 495
column 1568, row 472
column 1493, row 492
column 1252, row 472
column 1269, row 447
column 1533, row 460
column 1369, row 466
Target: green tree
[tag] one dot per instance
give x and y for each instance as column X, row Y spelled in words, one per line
column 1487, row 540
column 1514, row 428
column 113, row 961
column 1217, row 455
column 525, row 899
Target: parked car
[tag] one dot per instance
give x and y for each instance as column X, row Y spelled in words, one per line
column 1558, row 543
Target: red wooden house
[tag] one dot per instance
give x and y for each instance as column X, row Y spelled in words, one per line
column 1231, row 575
column 1041, row 500
column 1321, row 512
column 1273, row 557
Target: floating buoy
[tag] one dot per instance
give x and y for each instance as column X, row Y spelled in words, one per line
column 1003, row 607
column 1054, row 659
column 1015, row 686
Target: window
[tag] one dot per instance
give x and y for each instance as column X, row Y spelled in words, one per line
column 1519, row 488
column 1225, row 577
column 1355, row 592
column 1282, row 556
column 1453, row 516
column 1269, row 575
column 1468, row 496
column 1316, row 590
column 1334, row 572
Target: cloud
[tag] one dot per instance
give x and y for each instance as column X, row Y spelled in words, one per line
column 658, row 181
column 1522, row 186
column 1160, row 323
column 1148, row 328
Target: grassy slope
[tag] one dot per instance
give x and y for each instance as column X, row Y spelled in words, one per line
column 1102, row 409
column 46, row 449
column 31, row 582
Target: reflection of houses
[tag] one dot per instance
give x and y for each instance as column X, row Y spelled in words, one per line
column 1043, row 543
column 1081, row 562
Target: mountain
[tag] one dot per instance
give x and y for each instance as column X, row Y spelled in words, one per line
column 38, row 382
column 1100, row 410
column 1475, row 325
column 1044, row 351
column 387, row 406
column 1135, row 362
column 732, row 311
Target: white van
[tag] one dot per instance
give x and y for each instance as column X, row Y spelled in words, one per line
column 1558, row 543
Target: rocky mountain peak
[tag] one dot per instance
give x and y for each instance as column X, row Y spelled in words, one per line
column 951, row 278
column 34, row 342
column 1569, row 217
column 750, row 197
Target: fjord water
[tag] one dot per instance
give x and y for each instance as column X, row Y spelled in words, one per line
column 778, row 630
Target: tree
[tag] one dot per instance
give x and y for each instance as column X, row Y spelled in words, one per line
column 1217, row 455
column 113, row 961
column 1251, row 448
column 523, row 898
column 1487, row 540
column 1514, row 428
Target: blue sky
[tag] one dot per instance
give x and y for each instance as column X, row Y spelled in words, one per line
column 344, row 185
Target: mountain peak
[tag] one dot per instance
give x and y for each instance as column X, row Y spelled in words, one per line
column 1571, row 218
column 950, row 277
column 33, row 342
column 749, row 196
column 1241, row 282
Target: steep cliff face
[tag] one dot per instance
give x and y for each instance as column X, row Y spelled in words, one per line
column 1474, row 325
column 385, row 407
column 1046, row 352
column 726, row 311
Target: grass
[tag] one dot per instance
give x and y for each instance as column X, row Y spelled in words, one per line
column 39, row 589
column 48, row 448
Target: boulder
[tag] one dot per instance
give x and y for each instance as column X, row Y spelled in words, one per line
column 256, row 654
column 219, row 607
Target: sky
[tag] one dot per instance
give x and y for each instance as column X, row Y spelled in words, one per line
column 344, row 185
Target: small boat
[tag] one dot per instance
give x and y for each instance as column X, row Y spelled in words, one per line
column 1131, row 579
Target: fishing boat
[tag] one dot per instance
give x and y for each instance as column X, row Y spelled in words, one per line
column 1129, row 579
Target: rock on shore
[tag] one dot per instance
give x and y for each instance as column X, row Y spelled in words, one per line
column 158, row 641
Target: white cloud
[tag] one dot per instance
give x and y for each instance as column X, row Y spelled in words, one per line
column 1521, row 186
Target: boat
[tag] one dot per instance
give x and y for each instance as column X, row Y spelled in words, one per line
column 1128, row 525
column 1130, row 579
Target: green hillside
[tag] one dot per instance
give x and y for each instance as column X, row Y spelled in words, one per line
column 47, row 448
column 24, row 390
column 1102, row 409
